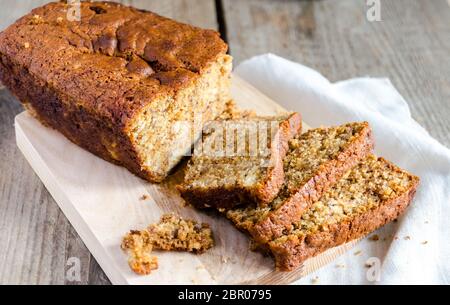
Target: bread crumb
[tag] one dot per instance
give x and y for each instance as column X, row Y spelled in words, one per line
column 425, row 242
column 59, row 19
column 407, row 238
column 375, row 237
column 315, row 280
column 144, row 197
column 26, row 45
column 171, row 233
column 340, row 266
column 36, row 19
column 357, row 253
column 367, row 265
column 225, row 259
column 253, row 246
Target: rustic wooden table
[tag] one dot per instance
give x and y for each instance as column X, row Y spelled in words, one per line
column 410, row 45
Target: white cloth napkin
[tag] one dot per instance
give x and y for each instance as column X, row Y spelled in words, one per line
column 416, row 248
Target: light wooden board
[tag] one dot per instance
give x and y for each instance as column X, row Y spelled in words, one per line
column 102, row 202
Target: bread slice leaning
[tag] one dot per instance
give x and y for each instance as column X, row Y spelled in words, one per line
column 240, row 161
column 316, row 160
column 369, row 196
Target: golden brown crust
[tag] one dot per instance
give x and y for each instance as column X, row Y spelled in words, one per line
column 264, row 191
column 276, row 221
column 296, row 249
column 91, row 79
column 87, row 59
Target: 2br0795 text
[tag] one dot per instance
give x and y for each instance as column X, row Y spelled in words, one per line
column 246, row 294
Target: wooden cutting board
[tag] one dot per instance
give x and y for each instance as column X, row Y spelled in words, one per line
column 103, row 202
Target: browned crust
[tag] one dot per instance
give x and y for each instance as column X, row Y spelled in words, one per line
column 273, row 225
column 265, row 192
column 296, row 250
column 91, row 79
column 123, row 49
column 46, row 104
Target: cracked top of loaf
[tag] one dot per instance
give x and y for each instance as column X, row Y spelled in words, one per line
column 115, row 59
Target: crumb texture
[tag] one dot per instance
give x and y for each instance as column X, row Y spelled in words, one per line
column 314, row 148
column 370, row 195
column 140, row 258
column 312, row 165
column 171, row 233
column 239, row 159
column 363, row 188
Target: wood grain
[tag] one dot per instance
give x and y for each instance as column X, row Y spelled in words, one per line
column 36, row 238
column 411, row 45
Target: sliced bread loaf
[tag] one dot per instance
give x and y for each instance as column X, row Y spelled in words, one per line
column 370, row 195
column 239, row 161
column 316, row 160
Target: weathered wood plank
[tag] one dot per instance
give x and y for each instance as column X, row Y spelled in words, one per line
column 36, row 238
column 12, row 10
column 197, row 12
column 410, row 45
column 200, row 13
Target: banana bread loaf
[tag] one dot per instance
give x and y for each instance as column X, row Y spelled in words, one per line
column 316, row 160
column 370, row 195
column 240, row 161
column 128, row 85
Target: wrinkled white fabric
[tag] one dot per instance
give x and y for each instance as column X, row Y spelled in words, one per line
column 416, row 248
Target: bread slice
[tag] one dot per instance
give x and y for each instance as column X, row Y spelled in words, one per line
column 316, row 160
column 369, row 196
column 239, row 161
